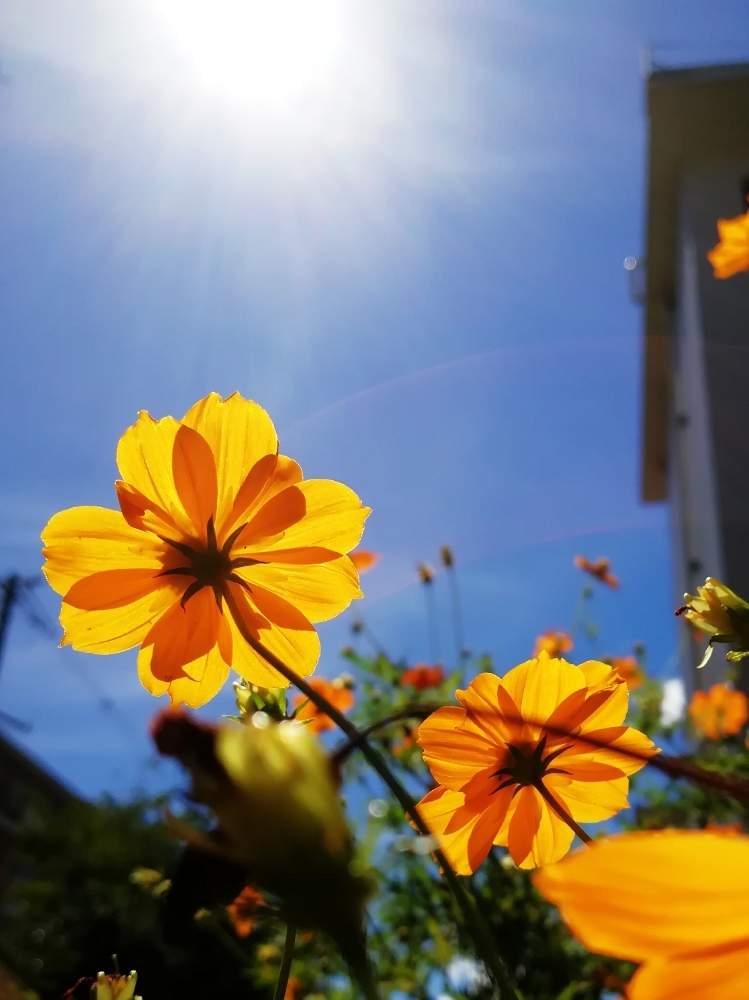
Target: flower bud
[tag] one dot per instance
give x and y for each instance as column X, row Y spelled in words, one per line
column 279, row 816
column 722, row 614
column 114, row 987
column 426, row 573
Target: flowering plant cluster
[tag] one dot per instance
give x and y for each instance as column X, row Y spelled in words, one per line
column 222, row 558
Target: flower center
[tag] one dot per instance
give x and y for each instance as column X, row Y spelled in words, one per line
column 209, row 565
column 528, row 764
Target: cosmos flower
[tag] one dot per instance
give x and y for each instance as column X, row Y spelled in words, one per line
column 599, row 568
column 731, row 254
column 629, row 669
column 364, row 560
column 719, row 612
column 720, row 711
column 218, row 537
column 338, row 692
column 552, row 642
column 242, row 911
column 526, row 757
column 673, row 901
column 422, row 677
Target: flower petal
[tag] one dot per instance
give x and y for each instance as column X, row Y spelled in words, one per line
column 268, row 476
column 714, row 976
column 85, row 540
column 194, row 473
column 113, row 630
column 588, row 802
column 551, row 842
column 464, row 831
column 490, row 709
column 183, row 634
column 524, row 824
column 201, row 680
column 295, row 642
column 314, row 513
column 650, row 895
column 144, row 458
column 454, row 755
column 622, row 747
column 319, row 592
column 239, row 433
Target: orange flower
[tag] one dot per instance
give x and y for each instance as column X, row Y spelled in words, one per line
column 426, row 573
column 242, row 911
column 364, row 560
column 673, row 901
column 720, row 711
column 553, row 643
column 217, row 534
column 338, row 693
column 422, row 676
column 514, row 758
column 629, row 669
column 599, row 568
column 731, row 254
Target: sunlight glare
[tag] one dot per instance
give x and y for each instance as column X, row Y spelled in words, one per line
column 266, row 52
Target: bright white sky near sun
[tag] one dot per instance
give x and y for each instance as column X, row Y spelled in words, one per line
column 399, row 227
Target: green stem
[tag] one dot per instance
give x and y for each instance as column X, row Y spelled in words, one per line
column 288, row 954
column 479, row 930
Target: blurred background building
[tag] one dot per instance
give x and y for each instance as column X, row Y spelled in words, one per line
column 696, row 344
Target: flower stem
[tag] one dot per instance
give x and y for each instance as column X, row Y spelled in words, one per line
column 562, row 813
column 479, row 930
column 285, row 969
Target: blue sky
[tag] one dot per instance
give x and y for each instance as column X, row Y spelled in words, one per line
column 411, row 255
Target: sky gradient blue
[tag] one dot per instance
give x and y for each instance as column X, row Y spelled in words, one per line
column 421, row 279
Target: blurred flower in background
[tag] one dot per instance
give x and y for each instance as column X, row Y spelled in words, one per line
column 731, row 253
column 720, row 711
column 598, row 568
column 338, row 692
column 553, row 643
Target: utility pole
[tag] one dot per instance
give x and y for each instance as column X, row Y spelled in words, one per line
column 9, row 594
column 14, row 589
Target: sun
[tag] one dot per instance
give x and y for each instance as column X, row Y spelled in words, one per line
column 265, row 53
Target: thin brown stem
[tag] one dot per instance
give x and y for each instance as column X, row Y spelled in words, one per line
column 562, row 812
column 288, row 954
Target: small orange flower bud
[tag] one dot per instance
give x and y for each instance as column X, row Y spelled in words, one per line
column 446, row 555
column 426, row 573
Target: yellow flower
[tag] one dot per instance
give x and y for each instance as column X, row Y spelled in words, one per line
column 523, row 755
column 673, row 901
column 114, row 987
column 731, row 254
column 552, row 642
column 720, row 711
column 719, row 612
column 217, row 534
